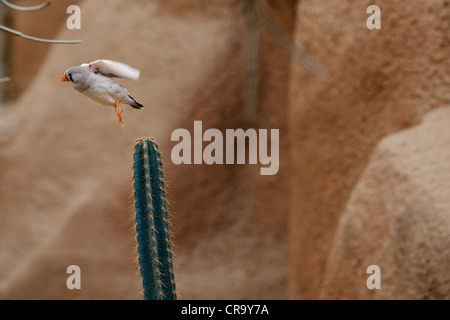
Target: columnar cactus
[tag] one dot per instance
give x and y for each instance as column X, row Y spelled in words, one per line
column 152, row 225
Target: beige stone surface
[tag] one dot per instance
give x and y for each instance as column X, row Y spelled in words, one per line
column 65, row 183
column 397, row 218
column 380, row 82
column 362, row 181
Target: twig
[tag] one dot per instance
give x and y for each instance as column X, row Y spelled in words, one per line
column 20, row 8
column 256, row 13
column 297, row 53
column 20, row 34
column 6, row 79
column 252, row 45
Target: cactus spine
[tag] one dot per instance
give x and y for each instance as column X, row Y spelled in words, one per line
column 152, row 225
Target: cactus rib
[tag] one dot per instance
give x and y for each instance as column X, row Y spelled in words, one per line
column 152, row 223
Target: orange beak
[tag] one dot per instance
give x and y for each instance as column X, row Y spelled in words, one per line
column 64, row 78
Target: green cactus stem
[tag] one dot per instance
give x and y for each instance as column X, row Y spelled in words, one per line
column 152, row 225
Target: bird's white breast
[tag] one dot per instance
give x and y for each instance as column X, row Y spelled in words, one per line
column 104, row 90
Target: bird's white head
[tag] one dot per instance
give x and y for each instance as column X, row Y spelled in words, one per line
column 74, row 74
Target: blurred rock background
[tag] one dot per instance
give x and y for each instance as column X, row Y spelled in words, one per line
column 363, row 154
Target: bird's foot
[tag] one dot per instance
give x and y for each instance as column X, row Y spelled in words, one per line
column 119, row 112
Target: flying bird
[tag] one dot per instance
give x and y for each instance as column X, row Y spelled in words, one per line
column 95, row 80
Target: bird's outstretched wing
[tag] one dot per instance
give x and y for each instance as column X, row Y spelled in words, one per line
column 113, row 69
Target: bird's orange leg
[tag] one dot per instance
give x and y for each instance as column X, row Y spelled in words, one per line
column 119, row 112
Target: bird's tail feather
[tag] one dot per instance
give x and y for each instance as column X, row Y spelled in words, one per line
column 134, row 103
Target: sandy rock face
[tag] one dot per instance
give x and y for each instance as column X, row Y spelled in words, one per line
column 397, row 218
column 380, row 82
column 361, row 181
column 66, row 191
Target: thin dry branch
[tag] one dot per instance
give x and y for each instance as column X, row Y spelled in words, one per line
column 257, row 14
column 20, row 34
column 252, row 45
column 31, row 8
column 297, row 53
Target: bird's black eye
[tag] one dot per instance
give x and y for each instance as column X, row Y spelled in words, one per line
column 69, row 75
